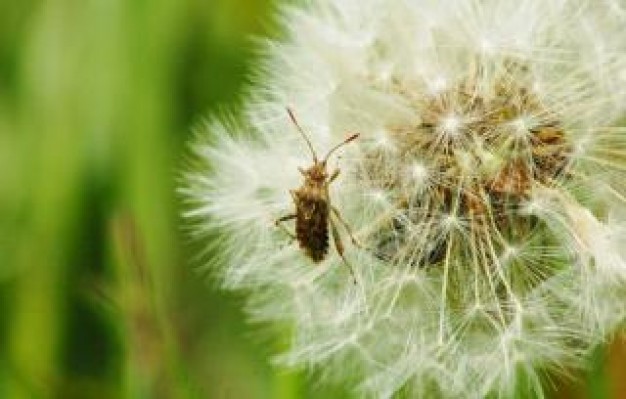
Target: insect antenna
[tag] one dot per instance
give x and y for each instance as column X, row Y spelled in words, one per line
column 335, row 148
column 304, row 135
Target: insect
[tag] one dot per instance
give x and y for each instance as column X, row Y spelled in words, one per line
column 315, row 212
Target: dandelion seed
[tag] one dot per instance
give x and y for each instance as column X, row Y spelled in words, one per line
column 437, row 85
column 451, row 125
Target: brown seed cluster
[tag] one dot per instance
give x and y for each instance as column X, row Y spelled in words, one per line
column 479, row 150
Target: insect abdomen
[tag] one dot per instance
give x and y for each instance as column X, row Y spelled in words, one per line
column 312, row 227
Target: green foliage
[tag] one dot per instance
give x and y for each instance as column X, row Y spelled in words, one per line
column 98, row 298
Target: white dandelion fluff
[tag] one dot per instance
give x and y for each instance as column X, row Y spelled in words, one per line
column 486, row 189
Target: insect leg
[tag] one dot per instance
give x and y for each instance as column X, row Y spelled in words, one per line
column 346, row 226
column 339, row 247
column 333, row 176
column 279, row 223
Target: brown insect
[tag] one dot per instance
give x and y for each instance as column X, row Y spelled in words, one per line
column 314, row 210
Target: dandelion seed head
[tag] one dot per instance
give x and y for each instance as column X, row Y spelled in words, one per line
column 488, row 252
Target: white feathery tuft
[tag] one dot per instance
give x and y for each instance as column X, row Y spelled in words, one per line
column 486, row 189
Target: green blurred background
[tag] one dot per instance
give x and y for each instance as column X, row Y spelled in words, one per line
column 98, row 293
